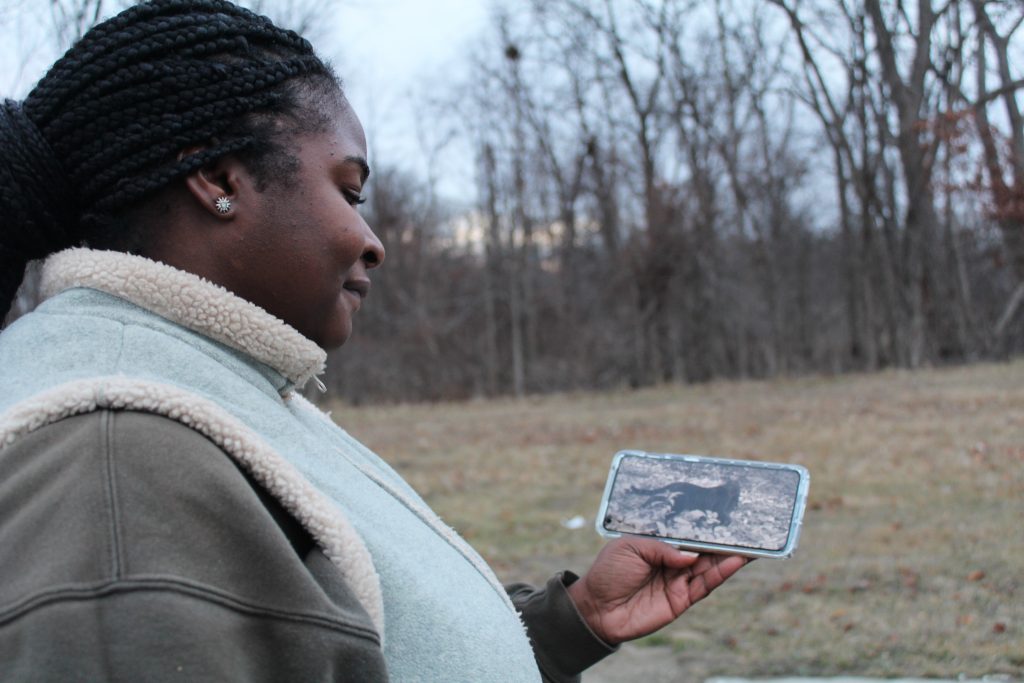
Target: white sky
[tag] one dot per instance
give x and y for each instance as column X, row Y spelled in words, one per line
column 390, row 52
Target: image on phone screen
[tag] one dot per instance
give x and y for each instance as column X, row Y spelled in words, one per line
column 726, row 503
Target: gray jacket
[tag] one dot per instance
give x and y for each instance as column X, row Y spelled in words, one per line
column 132, row 548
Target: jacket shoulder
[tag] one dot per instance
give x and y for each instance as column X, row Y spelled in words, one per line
column 144, row 553
column 122, row 496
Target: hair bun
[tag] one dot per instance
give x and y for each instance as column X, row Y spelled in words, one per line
column 36, row 204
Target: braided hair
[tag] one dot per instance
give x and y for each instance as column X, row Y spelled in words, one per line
column 106, row 127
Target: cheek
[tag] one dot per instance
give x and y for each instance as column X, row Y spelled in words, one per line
column 302, row 237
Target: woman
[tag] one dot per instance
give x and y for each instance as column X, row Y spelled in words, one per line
column 170, row 507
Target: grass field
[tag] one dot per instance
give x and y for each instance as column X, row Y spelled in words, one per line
column 911, row 560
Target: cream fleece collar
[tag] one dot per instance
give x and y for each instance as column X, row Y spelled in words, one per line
column 190, row 301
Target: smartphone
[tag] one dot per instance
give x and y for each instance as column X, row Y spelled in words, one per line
column 716, row 505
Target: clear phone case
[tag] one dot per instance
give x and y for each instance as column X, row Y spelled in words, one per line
column 718, row 505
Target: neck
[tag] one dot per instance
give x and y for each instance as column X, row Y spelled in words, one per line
column 190, row 301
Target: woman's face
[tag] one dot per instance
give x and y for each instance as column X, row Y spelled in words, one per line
column 307, row 256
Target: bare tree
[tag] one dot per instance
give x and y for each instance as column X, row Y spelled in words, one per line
column 1004, row 166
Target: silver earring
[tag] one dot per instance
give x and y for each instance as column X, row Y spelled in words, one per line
column 223, row 204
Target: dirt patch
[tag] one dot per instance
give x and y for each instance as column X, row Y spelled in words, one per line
column 653, row 664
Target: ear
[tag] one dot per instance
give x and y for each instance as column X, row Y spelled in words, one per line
column 216, row 186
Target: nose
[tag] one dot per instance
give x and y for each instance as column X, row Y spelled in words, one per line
column 373, row 251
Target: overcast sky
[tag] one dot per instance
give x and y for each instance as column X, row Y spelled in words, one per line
column 389, row 52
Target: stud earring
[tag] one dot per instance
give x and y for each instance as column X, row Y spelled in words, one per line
column 223, row 204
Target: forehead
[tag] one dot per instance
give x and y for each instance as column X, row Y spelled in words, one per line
column 342, row 139
column 346, row 125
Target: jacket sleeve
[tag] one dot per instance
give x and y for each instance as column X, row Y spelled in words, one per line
column 144, row 553
column 562, row 642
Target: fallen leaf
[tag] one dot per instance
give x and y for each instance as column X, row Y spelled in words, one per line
column 909, row 577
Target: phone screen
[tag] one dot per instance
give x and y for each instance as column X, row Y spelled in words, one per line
column 741, row 505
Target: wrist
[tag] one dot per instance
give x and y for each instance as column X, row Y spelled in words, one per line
column 584, row 603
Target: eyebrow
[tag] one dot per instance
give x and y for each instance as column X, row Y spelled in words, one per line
column 361, row 162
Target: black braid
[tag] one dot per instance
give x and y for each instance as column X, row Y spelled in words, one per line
column 118, row 109
column 34, row 198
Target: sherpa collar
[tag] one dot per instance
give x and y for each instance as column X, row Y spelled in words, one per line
column 190, row 301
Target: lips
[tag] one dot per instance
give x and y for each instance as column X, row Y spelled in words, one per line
column 360, row 287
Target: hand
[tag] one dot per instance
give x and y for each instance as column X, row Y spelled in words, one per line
column 636, row 586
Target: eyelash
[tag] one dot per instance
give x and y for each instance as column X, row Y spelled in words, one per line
column 354, row 198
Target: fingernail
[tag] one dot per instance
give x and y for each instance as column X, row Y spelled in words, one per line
column 688, row 553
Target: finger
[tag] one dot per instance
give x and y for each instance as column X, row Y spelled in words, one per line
column 661, row 554
column 708, row 560
column 713, row 574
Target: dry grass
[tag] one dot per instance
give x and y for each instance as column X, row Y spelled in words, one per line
column 912, row 555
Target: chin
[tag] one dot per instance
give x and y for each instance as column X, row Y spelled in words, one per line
column 333, row 338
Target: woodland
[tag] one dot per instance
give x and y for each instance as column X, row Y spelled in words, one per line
column 676, row 191
column 682, row 191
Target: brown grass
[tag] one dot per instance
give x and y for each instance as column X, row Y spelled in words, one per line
column 912, row 555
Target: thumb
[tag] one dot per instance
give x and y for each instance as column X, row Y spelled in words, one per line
column 659, row 553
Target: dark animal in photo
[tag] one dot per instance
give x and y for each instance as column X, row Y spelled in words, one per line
column 683, row 497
